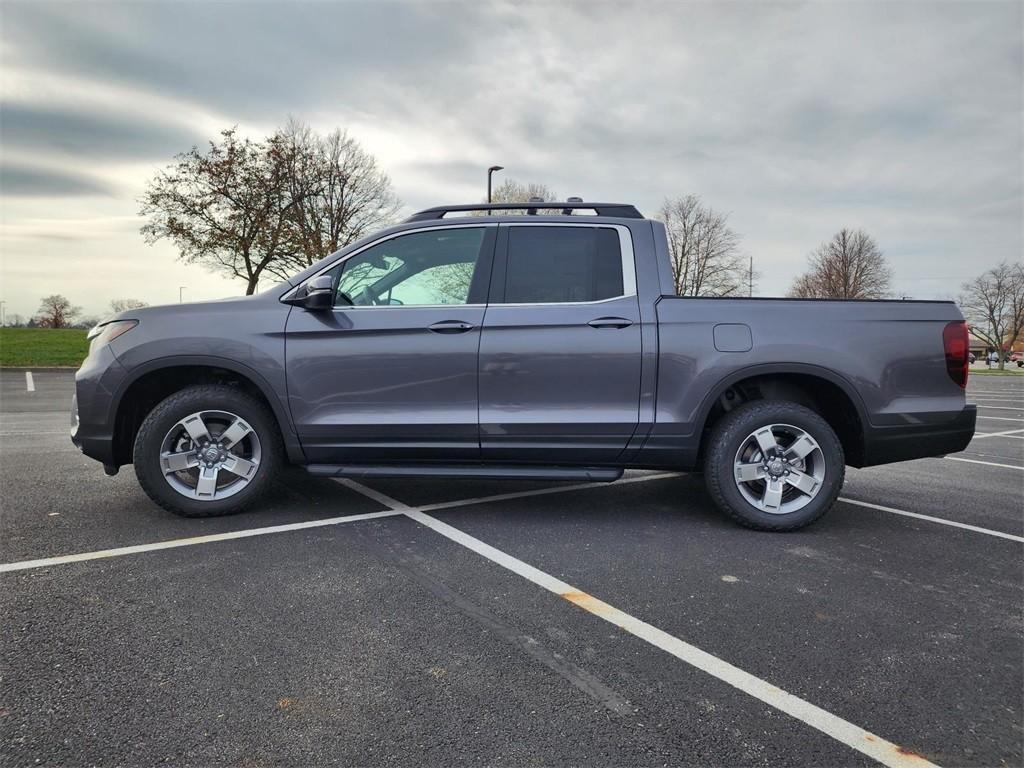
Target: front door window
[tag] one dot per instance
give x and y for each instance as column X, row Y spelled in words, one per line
column 420, row 269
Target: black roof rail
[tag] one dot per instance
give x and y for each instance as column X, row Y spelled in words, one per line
column 616, row 210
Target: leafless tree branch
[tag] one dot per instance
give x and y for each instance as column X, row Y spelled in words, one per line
column 849, row 266
column 704, row 250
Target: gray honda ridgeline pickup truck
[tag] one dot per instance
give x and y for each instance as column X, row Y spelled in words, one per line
column 547, row 347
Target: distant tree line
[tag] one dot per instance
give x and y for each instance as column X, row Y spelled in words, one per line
column 57, row 311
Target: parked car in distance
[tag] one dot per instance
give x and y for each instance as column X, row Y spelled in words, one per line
column 544, row 346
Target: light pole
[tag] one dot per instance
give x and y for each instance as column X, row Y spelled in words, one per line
column 180, row 289
column 490, row 171
column 3, row 314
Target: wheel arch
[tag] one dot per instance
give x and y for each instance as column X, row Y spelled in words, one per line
column 151, row 382
column 827, row 392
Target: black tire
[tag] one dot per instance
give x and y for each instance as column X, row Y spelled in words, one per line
column 206, row 397
column 728, row 436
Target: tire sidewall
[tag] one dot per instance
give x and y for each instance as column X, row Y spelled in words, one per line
column 734, row 429
column 167, row 413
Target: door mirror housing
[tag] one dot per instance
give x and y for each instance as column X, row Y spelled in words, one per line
column 318, row 294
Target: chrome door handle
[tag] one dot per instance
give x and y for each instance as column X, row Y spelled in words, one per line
column 450, row 326
column 610, row 322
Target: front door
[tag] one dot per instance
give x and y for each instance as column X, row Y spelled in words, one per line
column 560, row 351
column 390, row 374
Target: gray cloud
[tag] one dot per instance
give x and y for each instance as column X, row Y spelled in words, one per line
column 91, row 136
column 26, row 181
column 293, row 56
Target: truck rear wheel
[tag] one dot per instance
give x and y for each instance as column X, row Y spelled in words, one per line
column 207, row 450
column 774, row 466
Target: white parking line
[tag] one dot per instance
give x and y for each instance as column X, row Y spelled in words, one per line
column 998, row 418
column 843, row 731
column 44, row 562
column 847, row 733
column 30, row 384
column 1007, row 433
column 1001, row 408
column 930, row 519
column 989, row 463
column 192, row 541
column 8, row 433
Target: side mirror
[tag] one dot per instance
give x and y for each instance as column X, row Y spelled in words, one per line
column 319, row 294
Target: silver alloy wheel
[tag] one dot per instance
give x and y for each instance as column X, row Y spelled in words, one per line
column 210, row 455
column 779, row 469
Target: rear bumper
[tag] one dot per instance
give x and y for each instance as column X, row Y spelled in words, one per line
column 884, row 445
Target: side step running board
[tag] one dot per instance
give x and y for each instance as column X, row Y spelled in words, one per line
column 593, row 474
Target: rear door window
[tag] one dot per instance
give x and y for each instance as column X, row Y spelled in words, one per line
column 554, row 265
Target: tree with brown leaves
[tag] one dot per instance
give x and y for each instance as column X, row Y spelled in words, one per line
column 849, row 266
column 225, row 208
column 251, row 208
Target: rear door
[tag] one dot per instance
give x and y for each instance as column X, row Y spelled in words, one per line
column 560, row 351
column 392, row 376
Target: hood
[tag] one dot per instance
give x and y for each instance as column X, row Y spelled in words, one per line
column 198, row 307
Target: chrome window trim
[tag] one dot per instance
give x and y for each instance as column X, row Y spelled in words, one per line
column 290, row 294
column 628, row 263
column 352, row 307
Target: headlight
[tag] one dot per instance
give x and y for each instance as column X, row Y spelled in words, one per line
column 104, row 333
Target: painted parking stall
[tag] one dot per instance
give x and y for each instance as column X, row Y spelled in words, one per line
column 398, row 620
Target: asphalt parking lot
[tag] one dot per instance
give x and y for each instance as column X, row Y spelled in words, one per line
column 509, row 624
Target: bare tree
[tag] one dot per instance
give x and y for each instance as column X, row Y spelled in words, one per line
column 123, row 305
column 227, row 208
column 993, row 304
column 512, row 191
column 704, row 250
column 339, row 193
column 849, row 266
column 56, row 312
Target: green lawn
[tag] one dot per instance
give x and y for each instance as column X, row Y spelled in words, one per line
column 42, row 347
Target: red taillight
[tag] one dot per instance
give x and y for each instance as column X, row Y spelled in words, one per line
column 955, row 341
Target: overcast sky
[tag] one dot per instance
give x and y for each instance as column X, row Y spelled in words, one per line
column 904, row 119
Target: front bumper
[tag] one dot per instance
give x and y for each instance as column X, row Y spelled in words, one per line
column 92, row 415
column 885, row 445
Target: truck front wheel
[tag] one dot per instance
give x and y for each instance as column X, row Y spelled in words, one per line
column 207, row 450
column 774, row 466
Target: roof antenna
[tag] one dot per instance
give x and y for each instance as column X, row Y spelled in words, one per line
column 533, row 211
column 568, row 211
